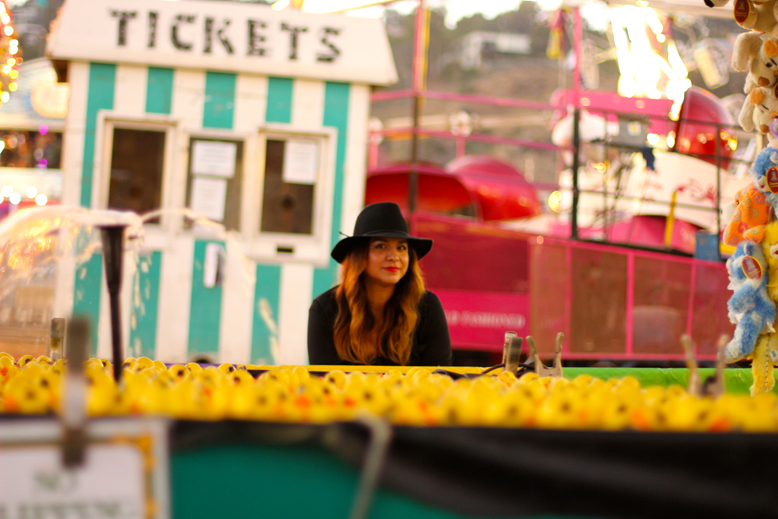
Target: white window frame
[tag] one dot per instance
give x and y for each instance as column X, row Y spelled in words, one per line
column 313, row 248
column 107, row 121
column 246, row 158
column 259, row 246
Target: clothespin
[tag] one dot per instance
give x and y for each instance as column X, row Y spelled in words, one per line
column 56, row 338
column 693, row 386
column 511, row 352
column 74, row 393
column 540, row 369
column 714, row 385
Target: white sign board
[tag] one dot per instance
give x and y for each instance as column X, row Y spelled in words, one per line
column 33, row 483
column 301, row 162
column 114, row 480
column 693, row 180
column 228, row 36
column 214, row 158
column 208, row 197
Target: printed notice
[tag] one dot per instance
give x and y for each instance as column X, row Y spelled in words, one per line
column 301, row 162
column 209, row 196
column 110, row 483
column 214, row 158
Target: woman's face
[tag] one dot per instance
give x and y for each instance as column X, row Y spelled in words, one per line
column 387, row 260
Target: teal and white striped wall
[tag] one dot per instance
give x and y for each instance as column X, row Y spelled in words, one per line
column 259, row 313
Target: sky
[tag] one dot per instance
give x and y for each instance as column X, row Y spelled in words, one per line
column 456, row 9
column 595, row 13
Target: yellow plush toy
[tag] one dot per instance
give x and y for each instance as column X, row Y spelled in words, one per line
column 770, row 248
column 762, row 362
column 765, row 354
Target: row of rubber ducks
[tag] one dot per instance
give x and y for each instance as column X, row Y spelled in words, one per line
column 418, row 397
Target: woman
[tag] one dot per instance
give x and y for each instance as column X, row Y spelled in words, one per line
column 380, row 313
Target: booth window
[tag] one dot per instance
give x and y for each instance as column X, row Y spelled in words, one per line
column 137, row 163
column 213, row 184
column 292, row 169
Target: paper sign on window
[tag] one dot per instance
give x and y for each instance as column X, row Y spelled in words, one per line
column 214, row 158
column 209, row 196
column 301, row 162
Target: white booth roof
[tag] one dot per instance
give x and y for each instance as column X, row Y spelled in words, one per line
column 224, row 36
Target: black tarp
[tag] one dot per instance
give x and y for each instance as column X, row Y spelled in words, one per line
column 501, row 472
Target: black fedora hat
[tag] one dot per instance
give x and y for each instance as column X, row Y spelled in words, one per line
column 382, row 220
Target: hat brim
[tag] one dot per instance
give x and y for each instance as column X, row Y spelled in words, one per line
column 342, row 249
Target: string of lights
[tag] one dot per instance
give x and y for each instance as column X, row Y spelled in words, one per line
column 10, row 55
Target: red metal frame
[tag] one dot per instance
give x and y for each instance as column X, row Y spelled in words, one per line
column 418, row 92
column 571, row 245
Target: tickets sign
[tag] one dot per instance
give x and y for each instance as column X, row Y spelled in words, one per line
column 230, row 36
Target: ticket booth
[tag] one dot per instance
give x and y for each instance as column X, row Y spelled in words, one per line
column 253, row 117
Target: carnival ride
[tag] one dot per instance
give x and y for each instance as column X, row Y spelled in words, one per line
column 625, row 257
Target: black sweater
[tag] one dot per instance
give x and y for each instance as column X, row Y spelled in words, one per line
column 431, row 342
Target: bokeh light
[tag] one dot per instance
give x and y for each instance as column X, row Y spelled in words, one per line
column 555, row 201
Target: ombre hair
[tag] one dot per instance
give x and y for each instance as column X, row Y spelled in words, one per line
column 355, row 320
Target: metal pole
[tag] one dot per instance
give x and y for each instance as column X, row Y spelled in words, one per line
column 576, row 165
column 606, row 163
column 419, row 57
column 577, row 34
column 113, row 255
column 718, row 191
column 413, row 176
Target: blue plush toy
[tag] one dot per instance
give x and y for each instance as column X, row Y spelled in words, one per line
column 765, row 173
column 750, row 306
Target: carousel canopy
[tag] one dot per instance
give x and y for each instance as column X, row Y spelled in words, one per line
column 479, row 186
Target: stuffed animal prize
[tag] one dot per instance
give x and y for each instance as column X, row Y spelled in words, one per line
column 750, row 306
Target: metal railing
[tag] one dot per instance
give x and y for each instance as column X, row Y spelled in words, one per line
column 608, row 141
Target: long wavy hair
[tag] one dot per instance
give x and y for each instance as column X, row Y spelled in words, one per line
column 355, row 321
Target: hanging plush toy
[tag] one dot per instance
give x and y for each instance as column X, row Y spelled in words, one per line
column 765, row 353
column 758, row 54
column 750, row 305
column 756, row 15
column 759, row 109
column 749, row 218
column 764, row 171
column 755, row 204
column 762, row 362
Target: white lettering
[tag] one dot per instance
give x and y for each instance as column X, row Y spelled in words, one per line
column 237, row 37
column 485, row 320
column 327, row 51
column 452, row 317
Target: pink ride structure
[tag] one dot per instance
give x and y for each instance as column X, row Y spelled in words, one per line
column 619, row 288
